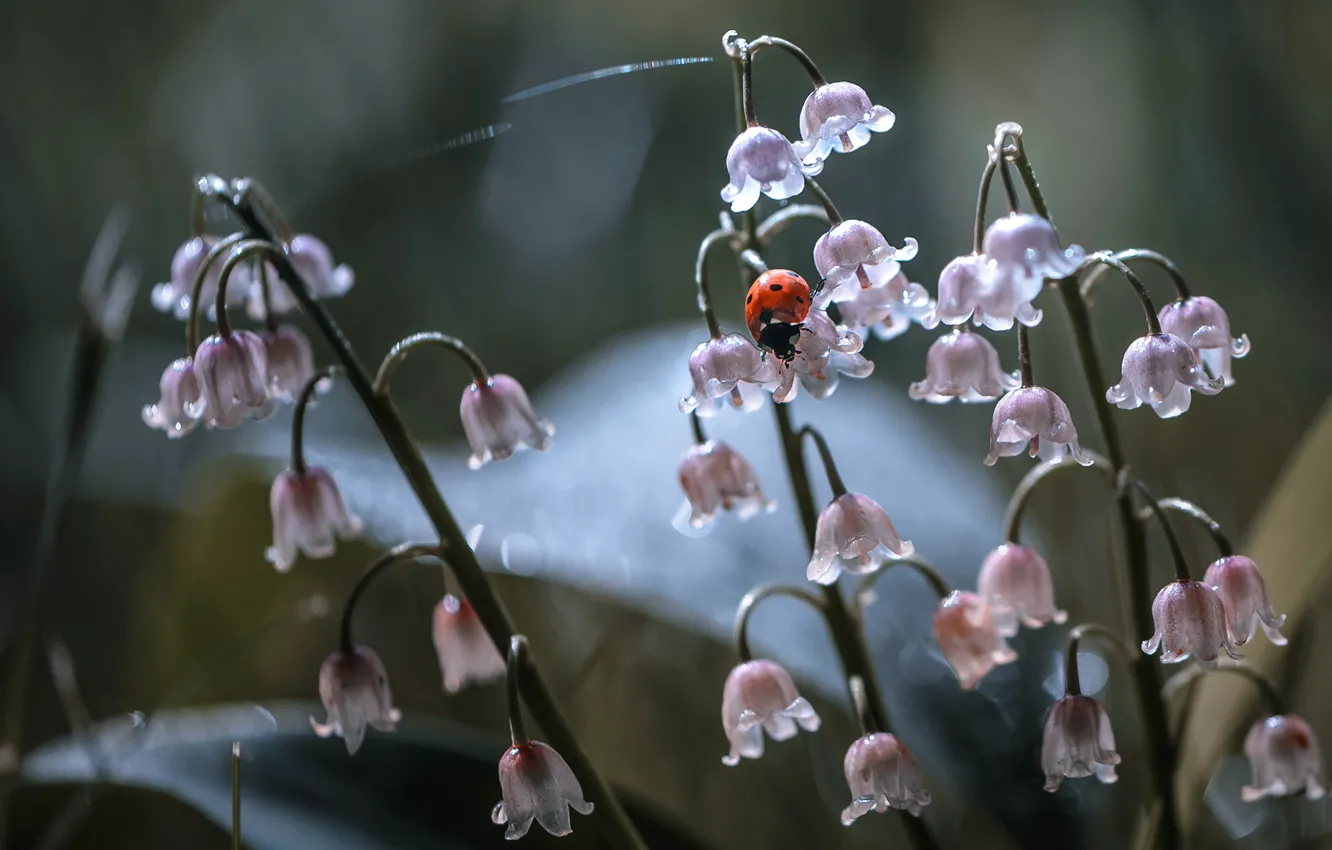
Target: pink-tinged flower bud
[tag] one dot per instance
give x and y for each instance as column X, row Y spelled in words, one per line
column 499, row 420
column 887, row 309
column 969, row 638
column 181, row 406
column 1035, row 416
column 174, row 295
column 964, row 366
column 961, row 284
column 882, row 772
column 355, row 692
column 1024, row 250
column 760, row 695
column 1200, row 322
column 716, row 476
column 1078, row 742
column 854, row 255
column 1161, row 369
column 1285, row 758
column 762, row 160
column 1015, row 582
column 1190, row 620
column 823, row 351
column 854, row 534
column 839, row 117
column 1244, row 596
column 308, row 516
column 466, row 653
column 233, row 378
column 537, row 784
column 717, row 368
column 290, row 361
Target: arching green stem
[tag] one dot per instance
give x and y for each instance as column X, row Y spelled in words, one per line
column 401, row 552
column 829, row 465
column 513, row 668
column 937, row 582
column 719, row 236
column 1145, row 298
column 1189, row 509
column 1176, row 551
column 815, row 76
column 401, row 349
column 834, row 217
column 1017, row 504
column 1092, row 278
column 298, row 416
column 751, row 600
column 1073, row 684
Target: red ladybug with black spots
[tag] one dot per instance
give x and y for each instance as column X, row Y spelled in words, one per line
column 777, row 303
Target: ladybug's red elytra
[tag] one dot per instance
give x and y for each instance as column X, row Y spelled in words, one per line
column 778, row 301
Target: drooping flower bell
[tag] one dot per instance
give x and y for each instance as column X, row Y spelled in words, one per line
column 466, row 653
column 182, row 406
column 889, row 309
column 718, row 368
column 969, row 638
column 1190, row 620
column 1035, row 416
column 1285, row 758
column 761, row 160
column 961, row 284
column 354, row 688
column 1161, row 370
column 313, row 260
column 1244, row 596
column 499, row 420
column 839, row 117
column 1015, row 582
column 715, row 476
column 1200, row 322
column 1023, row 250
column 881, row 773
column 964, row 366
column 855, row 255
column 853, row 534
column 537, row 784
column 308, row 516
column 232, row 371
column 174, row 295
column 1078, row 742
column 290, row 361
column 761, row 696
column 823, row 351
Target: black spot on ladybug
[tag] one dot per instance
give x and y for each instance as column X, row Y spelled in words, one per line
column 775, row 287
column 750, row 298
column 800, row 300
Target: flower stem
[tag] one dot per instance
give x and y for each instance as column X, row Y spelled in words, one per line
column 701, row 278
column 266, row 292
column 1189, row 677
column 1010, row 191
column 243, row 250
column 696, row 422
column 610, row 815
column 746, row 59
column 815, row 76
column 937, row 582
column 1158, row 742
column 784, row 217
column 298, row 416
column 1148, row 308
column 1024, row 356
column 825, row 454
column 401, row 349
column 1091, row 279
column 1189, row 509
column 1080, row 633
column 1017, row 503
column 1176, row 552
column 751, row 600
column 401, row 552
column 512, row 668
column 983, row 201
column 834, row 217
column 859, row 697
column 192, row 320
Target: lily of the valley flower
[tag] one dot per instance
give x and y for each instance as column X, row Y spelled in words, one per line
column 719, row 368
column 290, row 361
column 1078, row 742
column 537, row 784
column 881, row 773
column 313, row 260
column 961, row 284
column 232, row 371
column 1285, row 759
column 761, row 160
column 1200, row 322
column 887, row 309
column 181, row 406
column 761, row 696
column 1035, row 418
column 308, row 516
column 855, row 255
column 1190, row 620
column 354, row 688
column 839, row 117
column 1244, row 596
column 854, row 534
column 174, row 295
column 969, row 638
column 715, row 477
column 1015, row 582
column 1161, row 370
column 964, row 366
column 824, row 351
column 1023, row 251
column 466, row 653
column 499, row 420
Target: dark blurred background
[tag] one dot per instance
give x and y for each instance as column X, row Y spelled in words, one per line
column 562, row 250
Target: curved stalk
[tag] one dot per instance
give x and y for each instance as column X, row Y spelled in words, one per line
column 751, row 600
column 243, row 250
column 1266, row 686
column 780, row 220
column 192, row 320
column 701, row 278
column 1176, row 551
column 1093, row 277
column 861, row 700
column 401, row 552
column 1191, row 510
column 404, row 347
column 937, row 582
column 1017, row 504
column 1145, row 298
column 983, row 201
column 1073, row 685
column 834, row 217
column 815, row 76
column 829, row 465
column 298, row 416
column 512, row 667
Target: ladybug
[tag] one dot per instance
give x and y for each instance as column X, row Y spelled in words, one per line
column 777, row 303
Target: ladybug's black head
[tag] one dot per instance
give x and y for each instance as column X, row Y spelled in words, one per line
column 780, row 338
